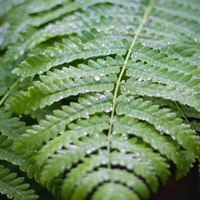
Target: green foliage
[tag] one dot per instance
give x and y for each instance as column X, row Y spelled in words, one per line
column 98, row 97
column 13, row 187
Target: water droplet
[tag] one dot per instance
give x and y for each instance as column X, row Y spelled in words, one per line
column 103, row 97
column 97, row 78
column 16, row 57
column 122, row 163
column 130, row 166
column 7, row 25
column 73, row 146
column 137, row 154
column 139, row 80
column 22, row 52
column 159, row 128
column 130, row 183
column 114, row 163
column 88, row 151
column 1, row 40
column 123, row 150
column 97, row 135
column 103, row 162
column 168, row 114
column 173, row 137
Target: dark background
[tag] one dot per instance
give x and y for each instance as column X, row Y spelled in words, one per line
column 187, row 188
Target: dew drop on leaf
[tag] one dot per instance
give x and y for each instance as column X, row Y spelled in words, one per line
column 97, row 78
column 16, row 57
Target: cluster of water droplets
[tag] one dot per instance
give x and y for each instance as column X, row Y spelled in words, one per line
column 89, row 151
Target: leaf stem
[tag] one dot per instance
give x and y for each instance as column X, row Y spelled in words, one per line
column 8, row 92
column 184, row 115
column 148, row 9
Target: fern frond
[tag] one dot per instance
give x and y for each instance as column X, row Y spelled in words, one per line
column 56, row 124
column 150, row 88
column 6, row 78
column 102, row 175
column 13, row 187
column 36, row 6
column 74, row 24
column 116, row 191
column 133, row 165
column 163, row 120
column 186, row 11
column 6, row 6
column 90, row 44
column 71, row 7
column 76, row 153
column 196, row 125
column 165, row 145
column 11, row 126
column 41, row 114
column 52, row 146
column 25, row 160
column 13, row 27
column 188, row 111
column 130, row 180
column 90, row 138
column 52, row 92
column 165, row 18
column 87, row 78
column 168, row 66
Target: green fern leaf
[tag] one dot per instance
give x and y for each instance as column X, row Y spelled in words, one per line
column 71, row 7
column 13, row 127
column 25, row 160
column 86, row 107
column 74, row 24
column 112, row 97
column 13, row 187
column 69, row 50
column 165, row 145
column 83, row 80
column 155, row 116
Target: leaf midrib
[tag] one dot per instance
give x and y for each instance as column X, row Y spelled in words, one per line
column 145, row 16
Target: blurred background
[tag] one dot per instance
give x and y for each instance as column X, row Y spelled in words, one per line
column 187, row 188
